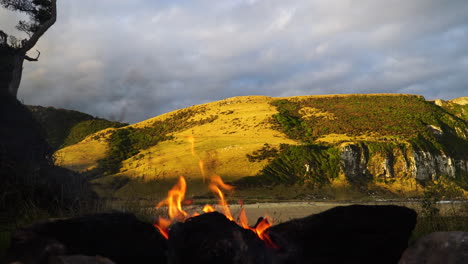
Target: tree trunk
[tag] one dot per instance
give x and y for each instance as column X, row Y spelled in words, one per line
column 11, row 69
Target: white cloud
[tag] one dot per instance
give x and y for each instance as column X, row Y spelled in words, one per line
column 282, row 20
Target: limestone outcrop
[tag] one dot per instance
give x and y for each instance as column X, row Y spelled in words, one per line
column 359, row 161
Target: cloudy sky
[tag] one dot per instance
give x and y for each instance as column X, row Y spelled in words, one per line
column 130, row 60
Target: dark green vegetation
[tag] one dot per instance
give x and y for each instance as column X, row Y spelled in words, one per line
column 67, row 127
column 313, row 165
column 127, row 142
column 290, row 121
column 267, row 152
column 387, row 121
column 399, row 117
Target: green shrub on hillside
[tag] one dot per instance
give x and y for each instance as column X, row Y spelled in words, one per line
column 289, row 120
column 120, row 148
column 85, row 128
column 314, row 165
column 267, row 152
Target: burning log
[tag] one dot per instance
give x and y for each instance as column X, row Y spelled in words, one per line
column 212, row 238
column 119, row 237
column 346, row 234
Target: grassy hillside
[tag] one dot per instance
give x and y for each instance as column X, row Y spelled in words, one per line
column 265, row 136
column 458, row 107
column 373, row 118
column 224, row 132
column 67, row 127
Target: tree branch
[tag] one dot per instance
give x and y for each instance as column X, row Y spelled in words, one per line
column 20, row 5
column 42, row 28
column 26, row 57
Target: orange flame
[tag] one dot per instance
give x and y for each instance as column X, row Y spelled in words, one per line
column 260, row 229
column 216, row 183
column 243, row 220
column 208, row 209
column 163, row 226
column 219, row 182
column 175, row 199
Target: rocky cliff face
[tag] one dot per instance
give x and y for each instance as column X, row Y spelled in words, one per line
column 359, row 162
column 354, row 162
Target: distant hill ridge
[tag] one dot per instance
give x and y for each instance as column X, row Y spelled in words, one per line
column 460, row 101
column 67, row 127
column 355, row 138
column 458, row 106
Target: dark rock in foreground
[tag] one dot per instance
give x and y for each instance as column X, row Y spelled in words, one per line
column 438, row 247
column 212, row 238
column 120, row 237
column 346, row 234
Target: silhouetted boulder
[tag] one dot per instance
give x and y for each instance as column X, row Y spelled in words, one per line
column 346, row 234
column 120, row 237
column 212, row 238
column 438, row 247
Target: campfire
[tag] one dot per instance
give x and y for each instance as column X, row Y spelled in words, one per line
column 176, row 196
column 175, row 200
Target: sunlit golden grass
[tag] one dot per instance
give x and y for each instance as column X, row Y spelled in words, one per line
column 242, row 127
column 82, row 156
column 85, row 154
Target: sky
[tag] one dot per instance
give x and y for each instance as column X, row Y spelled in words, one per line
column 130, row 60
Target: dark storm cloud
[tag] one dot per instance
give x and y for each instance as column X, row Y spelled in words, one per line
column 132, row 60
